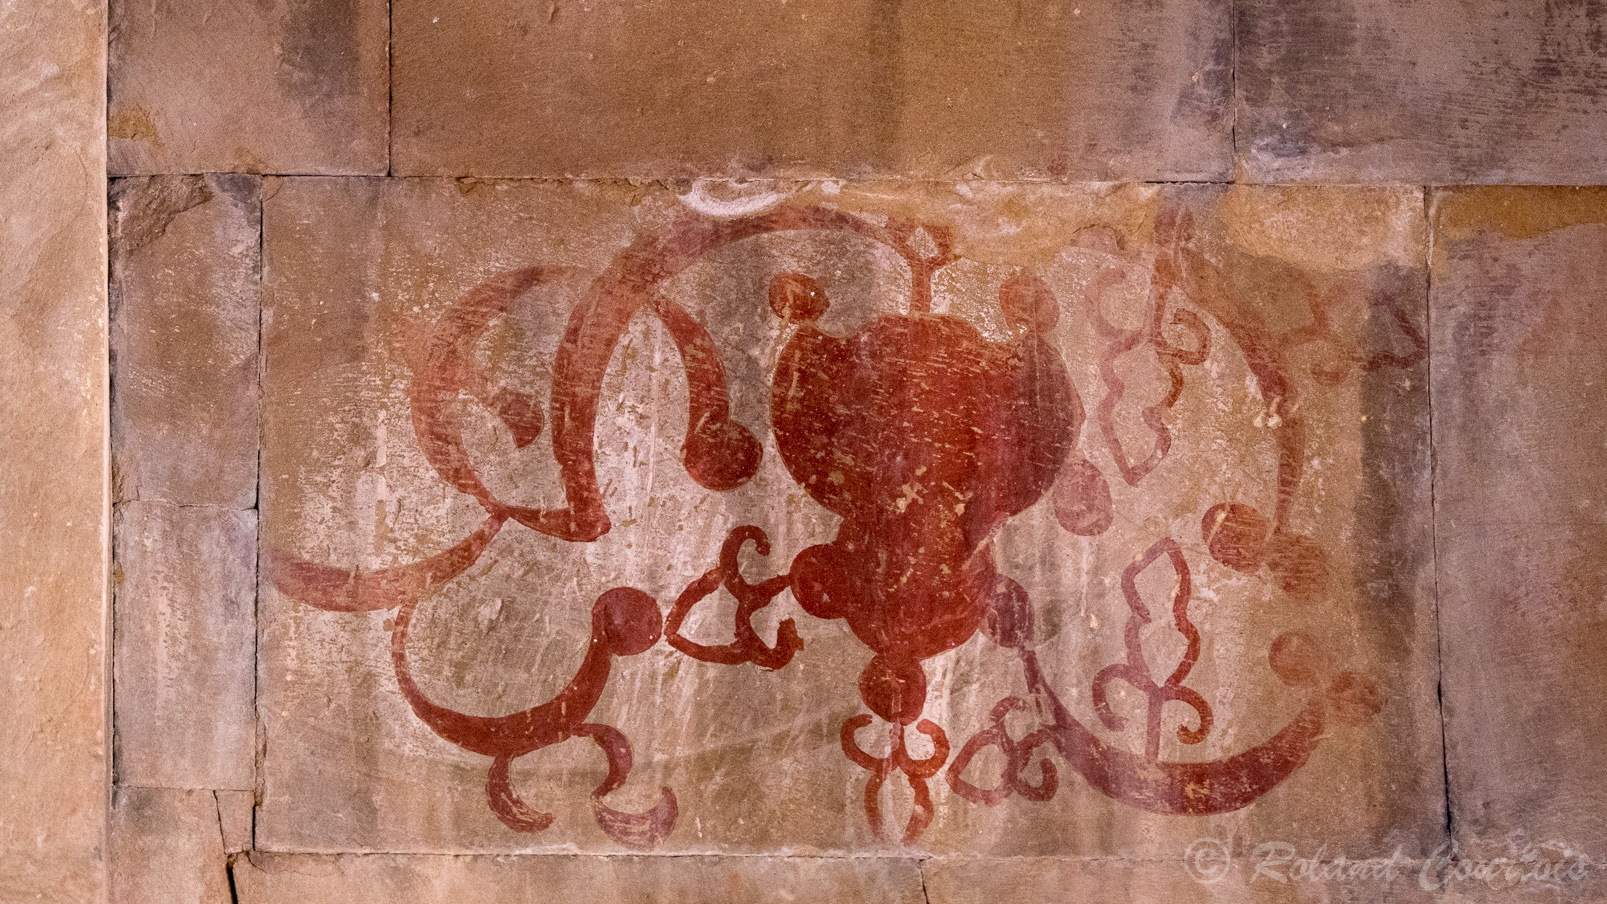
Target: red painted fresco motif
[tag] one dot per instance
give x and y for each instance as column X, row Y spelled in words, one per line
column 924, row 437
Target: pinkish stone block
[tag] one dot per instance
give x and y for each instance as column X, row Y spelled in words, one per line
column 53, row 494
column 185, row 656
column 185, row 312
column 1435, row 91
column 847, row 88
column 279, row 86
column 166, row 847
column 1521, row 514
column 1126, row 480
column 380, row 879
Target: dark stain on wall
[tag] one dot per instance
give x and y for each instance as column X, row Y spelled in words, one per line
column 319, row 49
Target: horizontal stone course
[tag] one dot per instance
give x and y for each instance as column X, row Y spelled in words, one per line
column 275, row 878
column 1425, row 91
column 845, row 89
column 279, row 86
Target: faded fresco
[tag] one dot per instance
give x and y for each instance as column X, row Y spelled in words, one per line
column 980, row 508
column 847, row 451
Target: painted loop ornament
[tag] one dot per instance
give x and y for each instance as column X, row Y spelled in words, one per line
column 924, row 437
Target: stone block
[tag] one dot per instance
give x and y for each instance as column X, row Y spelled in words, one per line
column 1521, row 511
column 185, row 321
column 235, row 814
column 279, row 86
column 53, row 497
column 602, row 518
column 166, row 847
column 184, row 661
column 379, row 879
column 1423, row 91
column 849, row 88
column 1277, row 874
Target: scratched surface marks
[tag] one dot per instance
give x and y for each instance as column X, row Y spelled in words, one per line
column 1010, row 520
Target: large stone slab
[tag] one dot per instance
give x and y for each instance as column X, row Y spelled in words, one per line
column 1519, row 500
column 655, row 89
column 166, row 846
column 284, row 878
column 1143, row 443
column 280, row 86
column 1274, row 873
column 186, row 640
column 1435, row 91
column 53, row 496
column 185, row 325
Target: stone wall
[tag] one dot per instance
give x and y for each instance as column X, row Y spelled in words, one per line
column 844, row 451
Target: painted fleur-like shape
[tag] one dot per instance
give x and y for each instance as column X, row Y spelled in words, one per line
column 925, row 437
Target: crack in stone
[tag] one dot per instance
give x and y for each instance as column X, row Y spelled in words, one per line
column 1429, row 200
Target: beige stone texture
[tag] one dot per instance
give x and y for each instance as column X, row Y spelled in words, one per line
column 53, row 628
column 1295, row 319
column 185, row 628
column 235, row 811
column 379, row 879
column 185, row 310
column 1422, row 91
column 1520, row 501
column 1275, row 875
column 166, row 848
column 848, row 88
column 277, row 86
